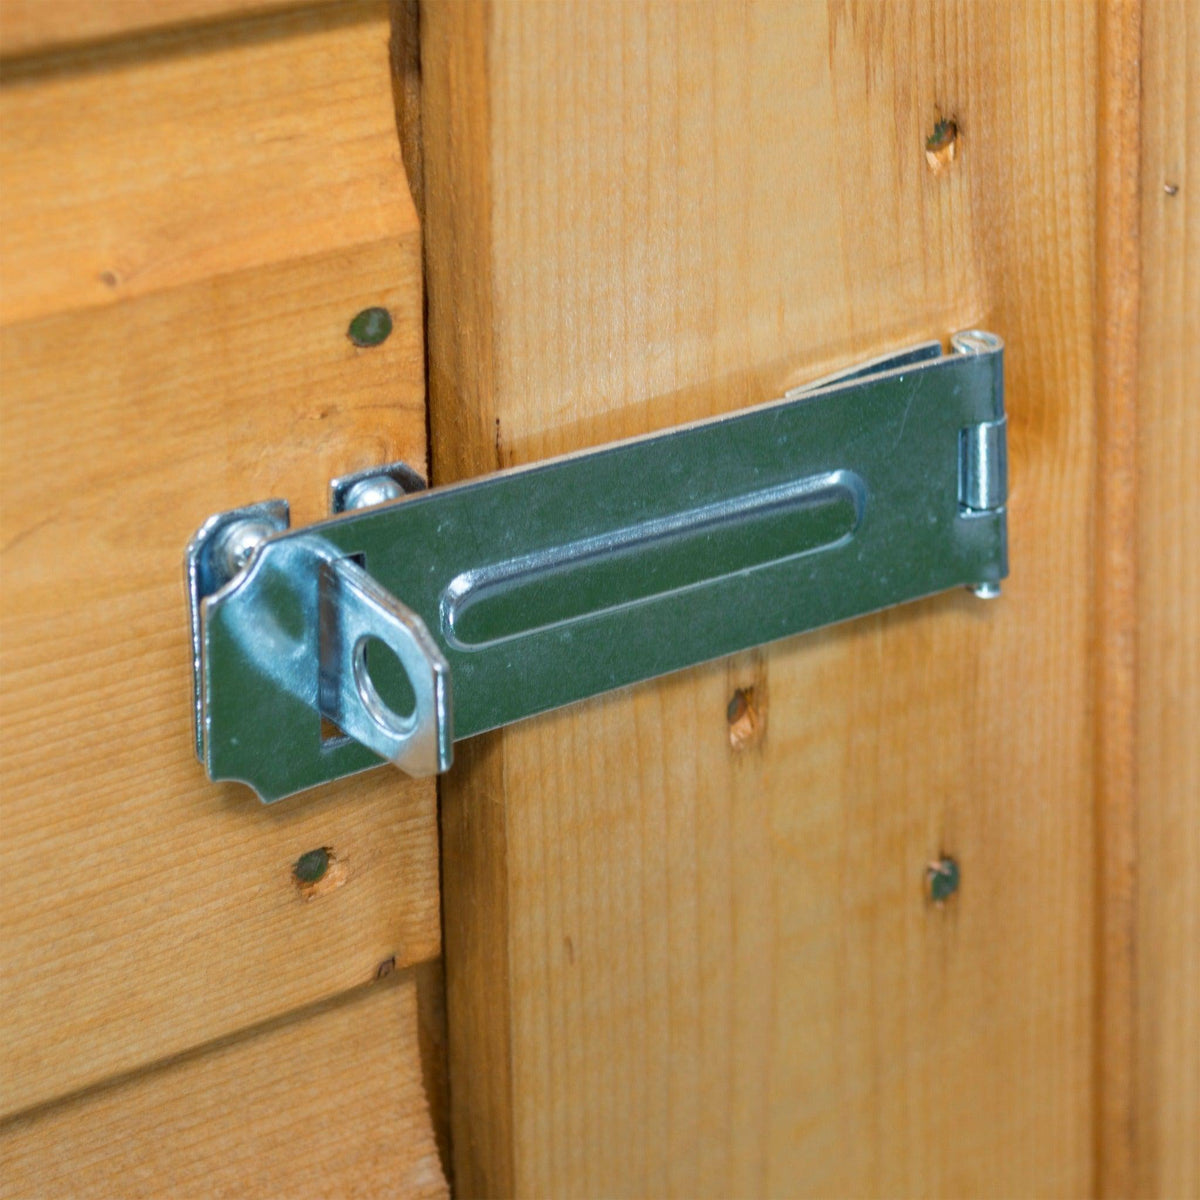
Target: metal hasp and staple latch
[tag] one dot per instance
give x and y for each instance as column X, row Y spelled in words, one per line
column 532, row 588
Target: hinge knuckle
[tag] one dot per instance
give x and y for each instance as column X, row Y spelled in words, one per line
column 983, row 467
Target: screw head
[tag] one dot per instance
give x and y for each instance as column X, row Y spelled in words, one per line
column 986, row 591
column 373, row 485
column 311, row 867
column 943, row 878
column 366, row 493
column 370, row 327
column 237, row 543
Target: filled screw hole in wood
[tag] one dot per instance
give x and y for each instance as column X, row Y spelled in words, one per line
column 317, row 872
column 942, row 879
column 745, row 719
column 941, row 146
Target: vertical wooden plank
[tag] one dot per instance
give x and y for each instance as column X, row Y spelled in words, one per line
column 455, row 126
column 680, row 966
column 1116, row 333
column 1168, row 712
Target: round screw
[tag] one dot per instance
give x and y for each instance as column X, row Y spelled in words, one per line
column 986, row 591
column 237, row 543
column 370, row 327
column 943, row 878
column 366, row 493
column 311, row 867
column 941, row 146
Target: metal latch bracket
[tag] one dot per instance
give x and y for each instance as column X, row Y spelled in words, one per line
column 533, row 588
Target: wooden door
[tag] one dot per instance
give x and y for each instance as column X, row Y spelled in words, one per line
column 194, row 205
column 690, row 939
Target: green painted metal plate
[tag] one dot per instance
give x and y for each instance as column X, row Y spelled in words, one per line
column 559, row 581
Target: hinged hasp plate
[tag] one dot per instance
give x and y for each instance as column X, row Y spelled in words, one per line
column 533, row 588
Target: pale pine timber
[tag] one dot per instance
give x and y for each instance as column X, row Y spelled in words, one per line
column 673, row 967
column 39, row 26
column 199, row 154
column 1114, row 653
column 146, row 910
column 265, row 1114
column 1168, row 696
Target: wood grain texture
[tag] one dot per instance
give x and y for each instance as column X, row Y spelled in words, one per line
column 129, row 171
column 146, row 910
column 258, row 1116
column 1115, row 641
column 1168, row 1081
column 37, row 26
column 679, row 968
column 406, row 92
column 459, row 269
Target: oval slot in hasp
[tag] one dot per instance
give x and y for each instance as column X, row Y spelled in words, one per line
column 639, row 563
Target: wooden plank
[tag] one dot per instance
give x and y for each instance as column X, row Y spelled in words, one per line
column 264, row 1114
column 37, row 26
column 126, row 173
column 1168, row 714
column 147, row 910
column 680, row 967
column 1115, row 653
column 261, row 204
column 475, row 915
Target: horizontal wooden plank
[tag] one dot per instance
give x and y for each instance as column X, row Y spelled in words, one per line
column 145, row 909
column 31, row 26
column 242, row 146
column 330, row 1103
